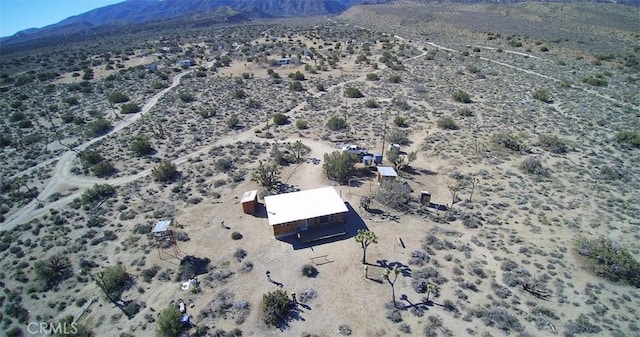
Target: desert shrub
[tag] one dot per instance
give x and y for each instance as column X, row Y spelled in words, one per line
column 419, row 258
column 353, row 92
column 232, row 122
column 371, row 103
column 397, row 136
column 610, row 173
column 129, row 108
column 309, row 270
column 395, row 79
column 508, row 265
column 165, row 171
column 275, row 307
column 240, row 254
column 307, row 295
column 499, row 317
column 53, row 270
column 508, row 141
column 14, row 331
column 553, row 144
column 447, row 123
column 336, row 123
column 117, row 97
column 168, row 323
column 461, row 96
column 533, row 166
column 595, row 81
column 630, row 138
column 148, row 274
column 301, row 124
column 113, row 281
column 236, row 236
column 280, row 119
column 140, row 146
column 97, row 193
column 191, row 266
column 338, row 165
column 400, row 121
column 297, row 76
column 98, row 128
column 103, row 169
column 224, row 164
column 499, row 290
column 394, row 315
column 296, row 86
column 580, row 326
column 186, row 97
column 372, row 77
column 609, row 259
column 542, row 95
column 394, row 194
column 344, row 330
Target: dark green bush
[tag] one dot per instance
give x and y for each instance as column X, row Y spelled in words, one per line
column 129, row 108
column 447, row 123
column 280, row 119
column 542, row 95
column 165, row 171
column 236, row 236
column 553, row 144
column 610, row 260
column 117, row 97
column 353, row 92
column 140, row 146
column 301, row 124
column 336, row 123
column 630, row 138
column 103, row 169
column 508, row 141
column 275, row 307
column 461, row 96
column 99, row 127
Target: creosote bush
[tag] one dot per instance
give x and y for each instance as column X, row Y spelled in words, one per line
column 609, row 259
column 336, row 123
column 553, row 144
column 447, row 123
column 509, row 142
column 533, row 166
column 542, row 95
column 630, row 138
column 301, row 124
column 461, row 96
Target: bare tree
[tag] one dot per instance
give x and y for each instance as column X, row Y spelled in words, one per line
column 474, row 182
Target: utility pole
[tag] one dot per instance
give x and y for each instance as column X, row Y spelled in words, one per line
column 384, row 137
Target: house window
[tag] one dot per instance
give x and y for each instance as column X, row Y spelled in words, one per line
column 324, row 219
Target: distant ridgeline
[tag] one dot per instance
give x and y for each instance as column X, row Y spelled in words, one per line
column 133, row 13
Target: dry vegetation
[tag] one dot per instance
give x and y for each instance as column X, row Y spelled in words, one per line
column 529, row 140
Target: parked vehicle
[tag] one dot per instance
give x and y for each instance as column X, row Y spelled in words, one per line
column 355, row 149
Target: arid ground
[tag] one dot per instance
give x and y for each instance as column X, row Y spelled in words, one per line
column 538, row 158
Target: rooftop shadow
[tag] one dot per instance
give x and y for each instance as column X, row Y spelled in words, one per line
column 353, row 222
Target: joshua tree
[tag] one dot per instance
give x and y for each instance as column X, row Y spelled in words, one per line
column 388, row 275
column 266, row 175
column 365, row 237
column 474, row 183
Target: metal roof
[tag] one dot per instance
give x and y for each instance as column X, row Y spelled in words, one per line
column 387, row 171
column 249, row 196
column 161, row 226
column 301, row 205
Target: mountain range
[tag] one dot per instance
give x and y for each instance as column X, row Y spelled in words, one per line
column 130, row 13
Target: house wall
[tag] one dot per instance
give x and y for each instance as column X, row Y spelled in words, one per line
column 293, row 227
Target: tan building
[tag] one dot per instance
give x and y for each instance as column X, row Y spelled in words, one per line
column 386, row 173
column 306, row 212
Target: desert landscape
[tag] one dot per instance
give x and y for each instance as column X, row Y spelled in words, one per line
column 521, row 120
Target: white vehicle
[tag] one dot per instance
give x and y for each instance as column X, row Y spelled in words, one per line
column 355, row 149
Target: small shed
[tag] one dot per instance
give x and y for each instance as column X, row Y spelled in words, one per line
column 249, row 202
column 161, row 227
column 386, row 173
column 425, row 198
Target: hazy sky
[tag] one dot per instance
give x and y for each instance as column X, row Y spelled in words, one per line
column 17, row 15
